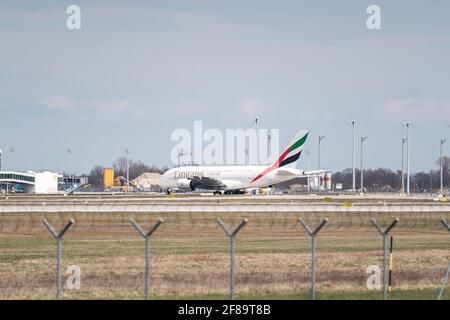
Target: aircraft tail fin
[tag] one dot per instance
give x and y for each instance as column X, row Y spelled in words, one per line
column 291, row 154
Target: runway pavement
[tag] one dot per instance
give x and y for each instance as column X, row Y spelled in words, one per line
column 141, row 203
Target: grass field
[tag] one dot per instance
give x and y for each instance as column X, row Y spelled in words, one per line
column 190, row 256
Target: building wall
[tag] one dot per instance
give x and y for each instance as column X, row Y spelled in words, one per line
column 46, row 182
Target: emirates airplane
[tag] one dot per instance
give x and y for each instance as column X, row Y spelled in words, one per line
column 235, row 179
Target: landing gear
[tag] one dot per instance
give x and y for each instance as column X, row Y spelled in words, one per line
column 239, row 191
column 218, row 193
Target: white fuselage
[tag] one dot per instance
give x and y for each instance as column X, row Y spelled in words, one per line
column 233, row 177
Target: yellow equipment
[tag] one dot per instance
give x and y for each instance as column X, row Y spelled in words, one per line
column 108, row 177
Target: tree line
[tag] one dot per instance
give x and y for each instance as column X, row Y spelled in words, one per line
column 136, row 168
column 383, row 179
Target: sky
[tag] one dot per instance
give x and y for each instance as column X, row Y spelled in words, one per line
column 138, row 70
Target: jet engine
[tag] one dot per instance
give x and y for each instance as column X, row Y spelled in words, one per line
column 185, row 184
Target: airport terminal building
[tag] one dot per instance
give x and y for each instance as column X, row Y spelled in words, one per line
column 42, row 182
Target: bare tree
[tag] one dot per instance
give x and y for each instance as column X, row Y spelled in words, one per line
column 96, row 176
column 136, row 168
column 445, row 168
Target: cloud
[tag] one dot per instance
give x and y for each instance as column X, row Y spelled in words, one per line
column 248, row 109
column 419, row 110
column 107, row 107
column 187, row 107
column 99, row 107
column 58, row 102
column 251, row 107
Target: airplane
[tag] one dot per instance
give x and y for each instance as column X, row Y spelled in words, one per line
column 235, row 179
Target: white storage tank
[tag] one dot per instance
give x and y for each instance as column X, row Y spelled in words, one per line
column 327, row 180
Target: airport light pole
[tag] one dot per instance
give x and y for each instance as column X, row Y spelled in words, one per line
column 407, row 124
column 363, row 138
column 6, row 183
column 69, row 152
column 257, row 141
column 128, row 169
column 441, row 167
column 353, row 124
column 13, row 152
column 318, row 153
column 431, row 183
column 307, row 168
column 246, row 157
column 318, row 162
column 403, row 164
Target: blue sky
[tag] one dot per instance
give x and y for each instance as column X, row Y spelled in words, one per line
column 137, row 70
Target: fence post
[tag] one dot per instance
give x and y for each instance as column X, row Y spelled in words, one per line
column 446, row 225
column 58, row 237
column 444, row 282
column 391, row 249
column 146, row 236
column 384, row 233
column 232, row 235
column 312, row 234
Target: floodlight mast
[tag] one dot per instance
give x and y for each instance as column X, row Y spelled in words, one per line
column 307, row 168
column 69, row 152
column 318, row 153
column 442, row 141
column 128, row 169
column 13, row 152
column 353, row 124
column 407, row 125
column 257, row 141
column 363, row 138
column 318, row 162
column 403, row 165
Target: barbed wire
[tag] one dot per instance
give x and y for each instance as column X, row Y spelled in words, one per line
column 120, row 223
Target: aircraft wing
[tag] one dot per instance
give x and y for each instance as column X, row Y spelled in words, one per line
column 315, row 172
column 207, row 183
column 285, row 171
column 299, row 173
